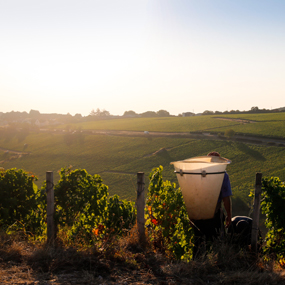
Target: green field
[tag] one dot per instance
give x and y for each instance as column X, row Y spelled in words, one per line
column 271, row 124
column 167, row 124
column 118, row 158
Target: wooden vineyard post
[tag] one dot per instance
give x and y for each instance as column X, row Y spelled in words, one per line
column 256, row 212
column 140, row 207
column 50, row 208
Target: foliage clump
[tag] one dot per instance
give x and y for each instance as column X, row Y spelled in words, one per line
column 19, row 200
column 166, row 218
column 83, row 209
column 272, row 206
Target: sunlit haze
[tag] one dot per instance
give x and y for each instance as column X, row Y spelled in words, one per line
column 178, row 55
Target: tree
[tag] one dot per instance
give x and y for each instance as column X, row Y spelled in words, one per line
column 207, row 112
column 254, row 109
column 94, row 113
column 34, row 113
column 163, row 113
column 149, row 114
column 78, row 116
column 68, row 118
column 130, row 114
column 99, row 113
column 104, row 113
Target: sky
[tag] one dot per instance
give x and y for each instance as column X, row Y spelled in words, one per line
column 67, row 56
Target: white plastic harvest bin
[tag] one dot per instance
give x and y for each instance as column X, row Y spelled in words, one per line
column 200, row 179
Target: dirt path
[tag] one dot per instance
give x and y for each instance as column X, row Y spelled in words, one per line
column 14, row 151
column 11, row 154
column 244, row 121
column 150, row 135
column 202, row 135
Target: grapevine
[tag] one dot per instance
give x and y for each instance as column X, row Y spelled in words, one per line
column 83, row 206
column 166, row 217
column 20, row 201
column 272, row 206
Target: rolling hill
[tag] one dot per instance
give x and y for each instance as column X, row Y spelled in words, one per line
column 117, row 157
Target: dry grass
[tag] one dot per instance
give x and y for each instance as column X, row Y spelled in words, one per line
column 124, row 261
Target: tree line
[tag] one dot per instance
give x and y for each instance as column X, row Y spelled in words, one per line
column 34, row 115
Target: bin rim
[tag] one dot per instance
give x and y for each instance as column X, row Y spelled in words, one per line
column 204, row 159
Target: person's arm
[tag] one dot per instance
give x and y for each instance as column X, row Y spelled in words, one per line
column 228, row 207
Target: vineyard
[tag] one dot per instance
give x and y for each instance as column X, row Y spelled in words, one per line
column 95, row 193
column 117, row 159
column 255, row 124
column 91, row 221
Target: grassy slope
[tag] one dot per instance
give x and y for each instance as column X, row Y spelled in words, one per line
column 167, row 124
column 98, row 154
column 265, row 124
column 117, row 159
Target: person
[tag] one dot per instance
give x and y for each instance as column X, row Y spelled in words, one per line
column 205, row 231
column 240, row 231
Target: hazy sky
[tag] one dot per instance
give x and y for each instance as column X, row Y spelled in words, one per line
column 60, row 56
